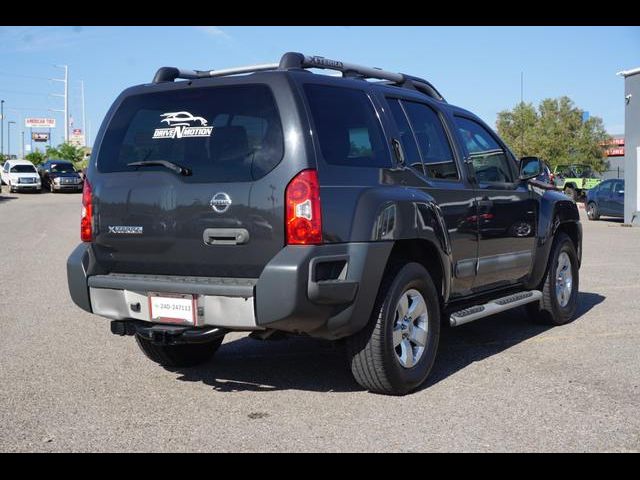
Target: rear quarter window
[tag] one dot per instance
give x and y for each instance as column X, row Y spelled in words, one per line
column 347, row 126
column 222, row 134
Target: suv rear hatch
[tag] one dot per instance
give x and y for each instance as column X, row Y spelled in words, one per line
column 204, row 221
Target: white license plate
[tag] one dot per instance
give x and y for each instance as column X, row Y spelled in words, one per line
column 172, row 308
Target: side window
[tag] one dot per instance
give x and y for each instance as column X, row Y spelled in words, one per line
column 347, row 126
column 407, row 140
column 6, row 167
column 490, row 161
column 605, row 187
column 618, row 187
column 434, row 146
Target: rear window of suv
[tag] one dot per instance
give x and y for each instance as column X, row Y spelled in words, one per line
column 348, row 128
column 222, row 134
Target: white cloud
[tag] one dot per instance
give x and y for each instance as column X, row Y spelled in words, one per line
column 214, row 32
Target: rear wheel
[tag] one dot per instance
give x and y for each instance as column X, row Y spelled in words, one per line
column 592, row 211
column 560, row 289
column 184, row 355
column 395, row 352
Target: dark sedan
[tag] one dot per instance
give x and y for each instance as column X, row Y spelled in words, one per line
column 60, row 175
column 606, row 200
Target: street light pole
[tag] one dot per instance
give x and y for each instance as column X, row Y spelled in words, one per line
column 22, row 144
column 9, row 136
column 2, row 127
column 84, row 126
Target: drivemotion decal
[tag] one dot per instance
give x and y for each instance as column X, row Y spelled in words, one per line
column 182, row 125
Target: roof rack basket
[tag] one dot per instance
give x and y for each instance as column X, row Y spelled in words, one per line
column 294, row 60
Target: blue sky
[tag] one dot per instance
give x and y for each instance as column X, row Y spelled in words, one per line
column 475, row 67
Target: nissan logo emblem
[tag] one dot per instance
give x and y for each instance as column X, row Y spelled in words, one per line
column 220, row 202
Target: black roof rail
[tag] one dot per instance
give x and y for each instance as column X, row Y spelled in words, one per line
column 295, row 60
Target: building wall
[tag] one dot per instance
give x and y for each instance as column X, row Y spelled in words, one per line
column 632, row 142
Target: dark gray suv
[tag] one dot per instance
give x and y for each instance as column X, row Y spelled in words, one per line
column 272, row 199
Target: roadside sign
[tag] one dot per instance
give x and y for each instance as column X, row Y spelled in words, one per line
column 32, row 122
column 40, row 137
column 77, row 140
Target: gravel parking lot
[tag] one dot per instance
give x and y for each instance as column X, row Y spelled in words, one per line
column 499, row 384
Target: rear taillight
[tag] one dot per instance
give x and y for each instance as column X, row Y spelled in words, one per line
column 302, row 198
column 86, row 220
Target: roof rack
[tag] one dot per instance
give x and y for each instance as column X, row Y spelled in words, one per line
column 294, row 60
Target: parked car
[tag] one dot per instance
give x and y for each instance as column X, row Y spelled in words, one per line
column 606, row 200
column 575, row 180
column 333, row 207
column 20, row 175
column 60, row 175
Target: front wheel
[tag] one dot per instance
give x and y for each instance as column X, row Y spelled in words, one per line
column 183, row 355
column 395, row 352
column 560, row 289
column 592, row 211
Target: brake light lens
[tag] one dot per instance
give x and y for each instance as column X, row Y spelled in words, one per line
column 86, row 219
column 303, row 213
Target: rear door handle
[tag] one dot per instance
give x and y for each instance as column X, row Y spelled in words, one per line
column 225, row 236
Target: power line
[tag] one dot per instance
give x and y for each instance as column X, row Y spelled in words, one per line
column 17, row 92
column 23, row 76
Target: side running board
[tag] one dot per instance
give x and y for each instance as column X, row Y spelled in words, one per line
column 470, row 314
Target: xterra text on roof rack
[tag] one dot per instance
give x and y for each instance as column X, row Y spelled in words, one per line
column 269, row 198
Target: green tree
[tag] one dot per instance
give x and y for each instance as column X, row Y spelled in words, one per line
column 66, row 151
column 36, row 157
column 555, row 132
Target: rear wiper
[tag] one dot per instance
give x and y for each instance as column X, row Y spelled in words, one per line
column 162, row 163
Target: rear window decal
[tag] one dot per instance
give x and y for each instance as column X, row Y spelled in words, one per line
column 182, row 125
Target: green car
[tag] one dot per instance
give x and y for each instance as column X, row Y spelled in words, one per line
column 575, row 179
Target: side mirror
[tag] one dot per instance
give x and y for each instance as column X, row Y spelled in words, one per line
column 530, row 167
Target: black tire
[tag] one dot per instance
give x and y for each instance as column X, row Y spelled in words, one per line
column 592, row 211
column 548, row 310
column 373, row 360
column 187, row 355
column 571, row 193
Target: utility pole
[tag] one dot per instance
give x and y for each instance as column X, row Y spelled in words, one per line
column 64, row 80
column 9, row 123
column 2, row 127
column 23, row 144
column 522, row 111
column 84, row 126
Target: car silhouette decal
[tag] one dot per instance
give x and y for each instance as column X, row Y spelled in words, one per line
column 182, row 125
column 181, row 118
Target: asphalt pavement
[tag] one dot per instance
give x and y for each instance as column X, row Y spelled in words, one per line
column 499, row 384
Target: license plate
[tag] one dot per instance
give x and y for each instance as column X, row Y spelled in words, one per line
column 172, row 308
